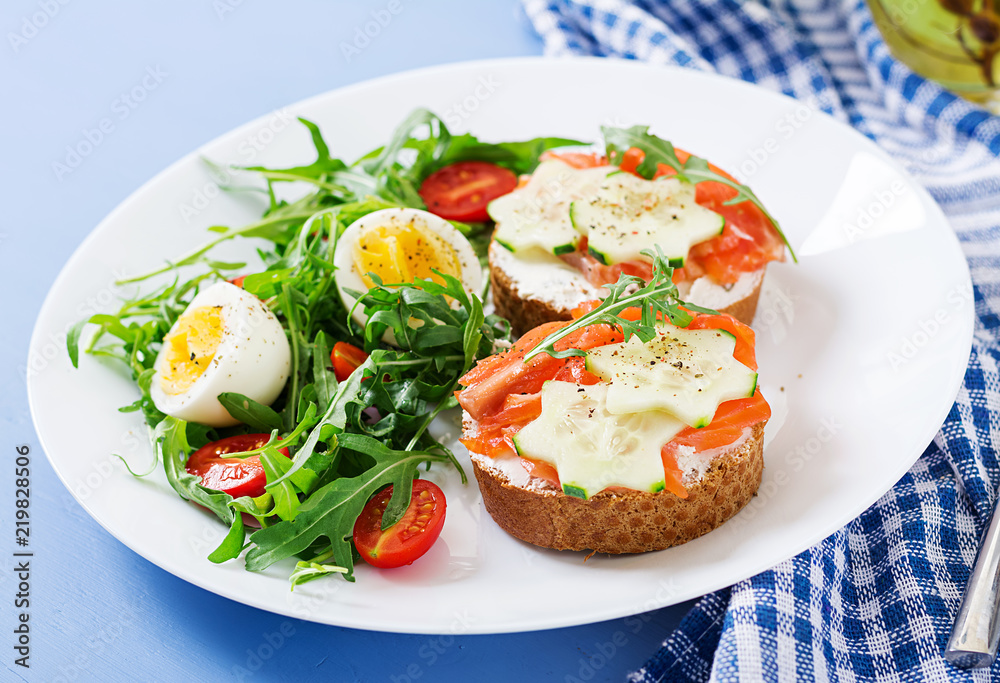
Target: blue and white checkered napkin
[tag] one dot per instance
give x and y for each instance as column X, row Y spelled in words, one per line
column 876, row 600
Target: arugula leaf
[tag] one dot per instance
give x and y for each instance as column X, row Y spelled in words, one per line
column 439, row 136
column 286, row 502
column 249, row 411
column 73, row 342
column 322, row 149
column 224, row 265
column 232, row 544
column 520, row 157
column 309, row 571
column 331, row 424
column 267, row 284
column 657, row 299
column 260, row 507
column 695, row 170
column 325, row 380
column 395, row 307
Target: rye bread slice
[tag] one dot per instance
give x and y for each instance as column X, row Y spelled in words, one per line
column 617, row 521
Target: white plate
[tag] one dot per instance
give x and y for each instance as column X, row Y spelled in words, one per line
column 862, row 345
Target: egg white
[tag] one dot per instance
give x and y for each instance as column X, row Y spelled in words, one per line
column 348, row 276
column 253, row 358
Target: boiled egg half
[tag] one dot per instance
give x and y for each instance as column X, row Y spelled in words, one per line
column 400, row 245
column 226, row 340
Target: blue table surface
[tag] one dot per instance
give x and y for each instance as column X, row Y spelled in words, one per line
column 98, row 611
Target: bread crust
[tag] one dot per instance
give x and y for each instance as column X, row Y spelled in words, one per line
column 525, row 313
column 744, row 309
column 624, row 520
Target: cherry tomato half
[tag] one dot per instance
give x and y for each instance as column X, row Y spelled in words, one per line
column 238, row 281
column 235, row 476
column 346, row 358
column 407, row 539
column 460, row 192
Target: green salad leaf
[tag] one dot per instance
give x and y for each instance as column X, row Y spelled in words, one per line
column 232, row 544
column 249, row 412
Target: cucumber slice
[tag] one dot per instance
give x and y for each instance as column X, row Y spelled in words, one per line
column 590, row 447
column 686, row 373
column 536, row 216
column 628, row 214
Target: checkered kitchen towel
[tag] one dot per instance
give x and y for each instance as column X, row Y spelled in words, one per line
column 876, row 600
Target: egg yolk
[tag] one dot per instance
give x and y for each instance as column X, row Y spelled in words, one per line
column 401, row 253
column 190, row 347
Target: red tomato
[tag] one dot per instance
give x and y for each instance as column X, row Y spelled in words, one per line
column 235, row 476
column 460, row 192
column 238, row 281
column 346, row 358
column 407, row 539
